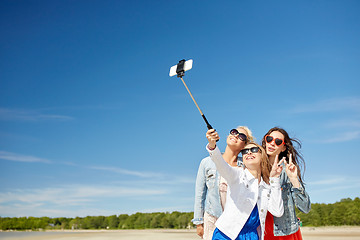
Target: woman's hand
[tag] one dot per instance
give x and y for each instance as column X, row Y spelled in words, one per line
column 277, row 167
column 212, row 136
column 200, row 230
column 292, row 172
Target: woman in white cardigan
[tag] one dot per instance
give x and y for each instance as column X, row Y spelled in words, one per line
column 252, row 191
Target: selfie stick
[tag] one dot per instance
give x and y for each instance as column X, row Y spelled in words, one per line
column 180, row 71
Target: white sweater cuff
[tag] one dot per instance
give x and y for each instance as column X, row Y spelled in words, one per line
column 210, row 151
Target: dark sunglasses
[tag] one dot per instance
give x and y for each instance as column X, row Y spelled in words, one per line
column 241, row 136
column 278, row 141
column 247, row 150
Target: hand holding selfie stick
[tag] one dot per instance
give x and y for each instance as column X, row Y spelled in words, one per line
column 179, row 70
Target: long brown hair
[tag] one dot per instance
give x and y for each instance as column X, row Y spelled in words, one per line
column 290, row 149
column 264, row 164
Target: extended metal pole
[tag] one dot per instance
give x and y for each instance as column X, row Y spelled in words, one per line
column 206, row 121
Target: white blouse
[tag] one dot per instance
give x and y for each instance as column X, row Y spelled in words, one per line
column 244, row 192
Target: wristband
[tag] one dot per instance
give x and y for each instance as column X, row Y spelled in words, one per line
column 211, row 148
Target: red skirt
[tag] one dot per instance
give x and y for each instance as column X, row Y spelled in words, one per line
column 269, row 231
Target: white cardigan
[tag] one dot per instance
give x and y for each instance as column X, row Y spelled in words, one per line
column 244, row 191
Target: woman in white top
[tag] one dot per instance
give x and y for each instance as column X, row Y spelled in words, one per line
column 252, row 191
column 211, row 188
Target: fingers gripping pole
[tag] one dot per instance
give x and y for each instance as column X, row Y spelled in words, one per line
column 206, row 121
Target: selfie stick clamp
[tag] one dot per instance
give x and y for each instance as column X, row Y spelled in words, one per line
column 180, row 71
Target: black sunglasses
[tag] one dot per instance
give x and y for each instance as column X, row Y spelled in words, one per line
column 247, row 150
column 241, row 136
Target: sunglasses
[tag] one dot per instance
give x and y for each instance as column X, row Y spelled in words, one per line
column 247, row 150
column 278, row 141
column 241, row 136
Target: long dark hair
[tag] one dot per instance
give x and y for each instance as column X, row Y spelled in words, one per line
column 290, row 149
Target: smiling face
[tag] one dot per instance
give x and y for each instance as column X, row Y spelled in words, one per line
column 272, row 149
column 234, row 142
column 251, row 159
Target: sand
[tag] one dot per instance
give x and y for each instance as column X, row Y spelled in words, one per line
column 320, row 233
column 331, row 233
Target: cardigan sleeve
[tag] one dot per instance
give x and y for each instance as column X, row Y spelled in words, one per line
column 301, row 199
column 200, row 195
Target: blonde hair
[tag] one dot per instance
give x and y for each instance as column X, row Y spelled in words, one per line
column 264, row 163
column 250, row 138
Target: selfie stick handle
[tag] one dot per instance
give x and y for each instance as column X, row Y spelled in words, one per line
column 206, row 121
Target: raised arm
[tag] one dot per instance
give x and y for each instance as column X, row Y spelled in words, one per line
column 225, row 170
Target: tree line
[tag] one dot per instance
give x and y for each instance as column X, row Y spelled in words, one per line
column 345, row 212
column 175, row 220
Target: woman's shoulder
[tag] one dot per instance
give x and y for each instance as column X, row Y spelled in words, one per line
column 207, row 162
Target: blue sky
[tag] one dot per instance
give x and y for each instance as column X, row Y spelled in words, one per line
column 92, row 124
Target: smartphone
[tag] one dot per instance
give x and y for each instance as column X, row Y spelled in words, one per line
column 187, row 66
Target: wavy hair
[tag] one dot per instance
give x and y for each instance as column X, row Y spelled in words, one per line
column 290, row 149
column 249, row 136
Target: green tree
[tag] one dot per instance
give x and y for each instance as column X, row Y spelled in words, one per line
column 337, row 215
column 130, row 221
column 156, row 220
column 75, row 223
column 112, row 222
column 122, row 219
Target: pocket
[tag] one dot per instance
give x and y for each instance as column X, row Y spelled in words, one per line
column 210, row 178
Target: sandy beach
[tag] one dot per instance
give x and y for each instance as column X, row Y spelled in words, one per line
column 309, row 233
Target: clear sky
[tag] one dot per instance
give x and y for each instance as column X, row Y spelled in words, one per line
column 92, row 124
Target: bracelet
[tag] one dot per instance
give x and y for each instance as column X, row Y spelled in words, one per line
column 211, row 148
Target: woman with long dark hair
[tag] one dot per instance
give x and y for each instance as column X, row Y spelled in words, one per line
column 278, row 144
